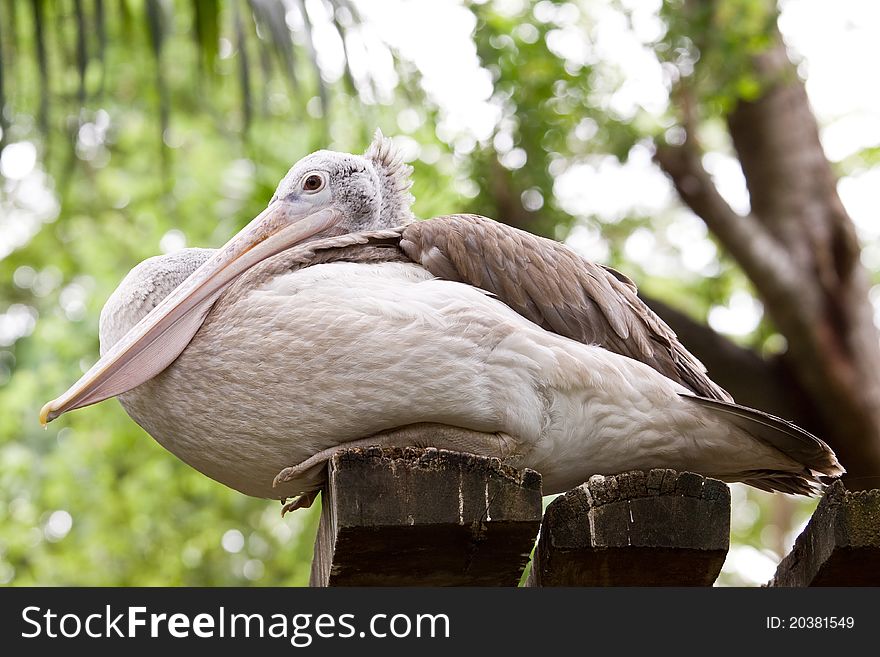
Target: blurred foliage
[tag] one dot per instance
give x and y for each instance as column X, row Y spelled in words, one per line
column 165, row 123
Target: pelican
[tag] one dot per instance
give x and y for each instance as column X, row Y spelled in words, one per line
column 336, row 319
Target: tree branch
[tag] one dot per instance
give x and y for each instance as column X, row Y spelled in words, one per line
column 763, row 259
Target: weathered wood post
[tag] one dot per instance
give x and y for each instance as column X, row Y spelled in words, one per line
column 659, row 528
column 841, row 544
column 424, row 517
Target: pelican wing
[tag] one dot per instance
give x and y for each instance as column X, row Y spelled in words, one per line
column 557, row 289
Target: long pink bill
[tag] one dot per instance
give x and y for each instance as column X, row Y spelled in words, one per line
column 154, row 342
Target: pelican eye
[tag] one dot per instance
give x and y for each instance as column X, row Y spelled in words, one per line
column 313, row 182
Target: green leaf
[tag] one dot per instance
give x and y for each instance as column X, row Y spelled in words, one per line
column 82, row 55
column 206, row 30
column 243, row 68
column 270, row 19
column 42, row 62
column 157, row 26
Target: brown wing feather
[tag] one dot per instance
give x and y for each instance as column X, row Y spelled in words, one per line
column 557, row 289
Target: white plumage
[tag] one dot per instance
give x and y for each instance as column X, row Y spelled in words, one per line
column 336, row 352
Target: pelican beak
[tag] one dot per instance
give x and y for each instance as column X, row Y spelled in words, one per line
column 154, row 342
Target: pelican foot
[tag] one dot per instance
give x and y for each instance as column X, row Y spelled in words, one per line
column 499, row 445
column 320, row 459
column 303, row 501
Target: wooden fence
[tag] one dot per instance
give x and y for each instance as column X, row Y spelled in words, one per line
column 429, row 517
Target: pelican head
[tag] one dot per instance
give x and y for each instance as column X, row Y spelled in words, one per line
column 369, row 191
column 324, row 194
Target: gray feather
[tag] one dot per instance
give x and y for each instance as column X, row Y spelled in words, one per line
column 788, row 438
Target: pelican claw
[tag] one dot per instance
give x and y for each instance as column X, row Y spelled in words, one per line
column 303, row 501
column 285, row 475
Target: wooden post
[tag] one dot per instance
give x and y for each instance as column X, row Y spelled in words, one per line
column 841, row 544
column 424, row 517
column 659, row 528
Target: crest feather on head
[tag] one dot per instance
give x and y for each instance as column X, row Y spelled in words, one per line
column 394, row 177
